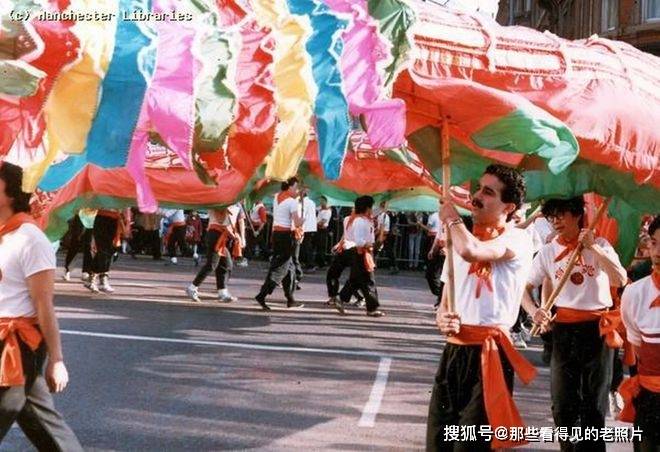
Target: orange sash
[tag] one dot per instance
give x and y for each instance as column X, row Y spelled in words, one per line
column 500, row 408
column 630, row 388
column 369, row 262
column 608, row 321
column 11, row 362
column 14, row 222
column 569, row 247
column 170, row 229
column 221, row 244
column 483, row 270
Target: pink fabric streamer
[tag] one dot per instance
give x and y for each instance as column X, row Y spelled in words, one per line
column 169, row 106
column 364, row 50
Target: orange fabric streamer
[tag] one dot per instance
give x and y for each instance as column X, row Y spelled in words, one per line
column 14, row 222
column 11, row 362
column 483, row 270
column 630, row 388
column 608, row 322
column 501, row 410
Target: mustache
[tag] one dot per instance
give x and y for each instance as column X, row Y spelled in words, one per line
column 477, row 203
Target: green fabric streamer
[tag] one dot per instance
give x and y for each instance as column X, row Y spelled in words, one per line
column 395, row 18
column 17, row 78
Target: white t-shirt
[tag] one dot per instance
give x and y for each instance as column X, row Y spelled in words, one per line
column 174, row 215
column 23, row 253
column 360, row 233
column 309, row 220
column 383, row 222
column 434, row 223
column 641, row 321
column 594, row 291
column 233, row 212
column 499, row 307
column 324, row 215
column 256, row 215
column 282, row 213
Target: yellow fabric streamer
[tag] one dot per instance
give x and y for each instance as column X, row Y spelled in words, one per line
column 71, row 106
column 295, row 89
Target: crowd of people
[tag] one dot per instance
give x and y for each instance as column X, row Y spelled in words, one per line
column 504, row 268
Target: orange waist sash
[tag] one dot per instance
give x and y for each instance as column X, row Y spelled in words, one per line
column 500, row 407
column 608, row 322
column 11, row 362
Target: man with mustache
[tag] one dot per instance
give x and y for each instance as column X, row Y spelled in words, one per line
column 474, row 382
column 583, row 334
column 640, row 311
column 28, row 326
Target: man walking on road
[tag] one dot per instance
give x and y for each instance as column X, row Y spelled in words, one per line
column 28, row 327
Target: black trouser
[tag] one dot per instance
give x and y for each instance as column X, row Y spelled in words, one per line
column 31, row 406
column 307, row 249
column 647, row 418
column 104, row 232
column 177, row 237
column 295, row 260
column 81, row 237
column 388, row 250
column 223, row 264
column 427, row 243
column 254, row 242
column 580, row 376
column 281, row 268
column 458, row 398
column 617, row 370
column 340, row 261
column 360, row 280
column 321, row 245
column 522, row 316
column 434, row 272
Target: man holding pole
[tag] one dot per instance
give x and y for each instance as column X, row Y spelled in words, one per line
column 583, row 335
column 474, row 383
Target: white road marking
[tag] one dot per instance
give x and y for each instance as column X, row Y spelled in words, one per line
column 278, row 348
column 370, row 410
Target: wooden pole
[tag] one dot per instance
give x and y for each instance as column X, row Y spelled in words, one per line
column 571, row 263
column 446, row 183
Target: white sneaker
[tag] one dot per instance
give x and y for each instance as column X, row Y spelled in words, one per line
column 174, row 261
column 66, row 276
column 525, row 333
column 518, row 341
column 616, row 404
column 85, row 277
column 91, row 284
column 226, row 298
column 193, row 293
column 105, row 285
column 242, row 263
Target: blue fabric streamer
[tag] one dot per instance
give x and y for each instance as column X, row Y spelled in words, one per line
column 331, row 107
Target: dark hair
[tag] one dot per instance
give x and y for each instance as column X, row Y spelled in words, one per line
column 655, row 224
column 555, row 207
column 323, row 198
column 514, row 185
column 12, row 176
column 363, row 203
column 289, row 183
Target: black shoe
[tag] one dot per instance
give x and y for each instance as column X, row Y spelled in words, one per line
column 547, row 355
column 298, row 287
column 294, row 304
column 262, row 302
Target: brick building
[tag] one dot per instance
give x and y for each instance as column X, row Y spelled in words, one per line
column 634, row 21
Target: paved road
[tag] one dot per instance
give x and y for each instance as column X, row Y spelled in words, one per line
column 151, row 371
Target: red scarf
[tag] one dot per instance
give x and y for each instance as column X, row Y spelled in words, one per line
column 283, row 196
column 483, row 270
column 655, row 276
column 14, row 222
column 569, row 247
